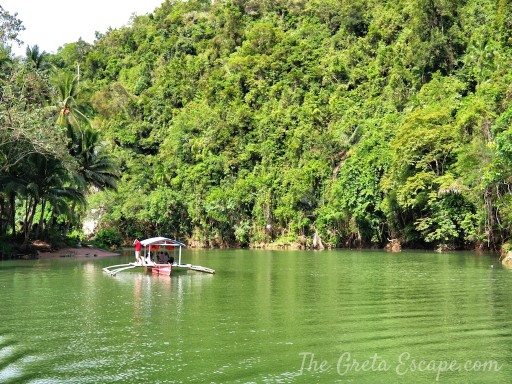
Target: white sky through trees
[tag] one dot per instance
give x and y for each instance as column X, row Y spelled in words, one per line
column 53, row 23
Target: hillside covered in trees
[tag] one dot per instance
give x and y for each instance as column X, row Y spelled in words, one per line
column 252, row 122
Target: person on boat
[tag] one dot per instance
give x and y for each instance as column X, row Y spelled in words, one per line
column 168, row 259
column 138, row 247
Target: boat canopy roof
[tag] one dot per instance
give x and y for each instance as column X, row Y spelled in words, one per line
column 162, row 241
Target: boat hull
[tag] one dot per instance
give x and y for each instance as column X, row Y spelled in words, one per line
column 161, row 270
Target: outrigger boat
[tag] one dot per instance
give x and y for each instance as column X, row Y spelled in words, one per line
column 159, row 265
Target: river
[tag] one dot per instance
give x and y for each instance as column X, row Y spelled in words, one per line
column 264, row 317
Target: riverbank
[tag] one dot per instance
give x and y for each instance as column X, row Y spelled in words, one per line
column 85, row 251
column 43, row 250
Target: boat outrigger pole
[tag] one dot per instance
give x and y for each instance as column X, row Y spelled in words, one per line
column 114, row 269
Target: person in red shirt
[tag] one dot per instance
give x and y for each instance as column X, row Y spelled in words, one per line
column 138, row 247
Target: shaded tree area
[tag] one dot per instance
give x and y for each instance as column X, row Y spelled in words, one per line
column 50, row 155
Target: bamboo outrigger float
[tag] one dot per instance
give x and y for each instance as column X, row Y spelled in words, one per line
column 156, row 264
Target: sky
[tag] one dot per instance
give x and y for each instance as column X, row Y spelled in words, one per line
column 52, row 23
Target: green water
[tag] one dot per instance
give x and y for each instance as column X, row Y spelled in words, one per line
column 264, row 317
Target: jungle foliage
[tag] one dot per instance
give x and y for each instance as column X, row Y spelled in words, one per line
column 248, row 122
column 50, row 155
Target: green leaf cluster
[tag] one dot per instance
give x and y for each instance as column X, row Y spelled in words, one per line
column 51, row 156
column 244, row 122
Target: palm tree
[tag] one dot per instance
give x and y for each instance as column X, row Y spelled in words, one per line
column 11, row 185
column 94, row 165
column 47, row 179
column 70, row 115
column 35, row 58
column 59, row 199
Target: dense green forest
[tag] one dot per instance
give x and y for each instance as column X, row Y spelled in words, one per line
column 336, row 123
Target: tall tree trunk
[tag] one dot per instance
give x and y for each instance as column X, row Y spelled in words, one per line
column 2, row 214
column 71, row 218
column 41, row 219
column 48, row 226
column 12, row 212
column 29, row 217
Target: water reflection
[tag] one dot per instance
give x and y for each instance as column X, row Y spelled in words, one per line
column 65, row 321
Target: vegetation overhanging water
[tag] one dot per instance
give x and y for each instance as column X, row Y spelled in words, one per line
column 243, row 122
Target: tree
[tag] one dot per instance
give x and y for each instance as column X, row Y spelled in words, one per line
column 10, row 27
column 94, row 166
column 70, row 115
column 43, row 178
column 274, row 121
column 26, row 126
column 38, row 60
